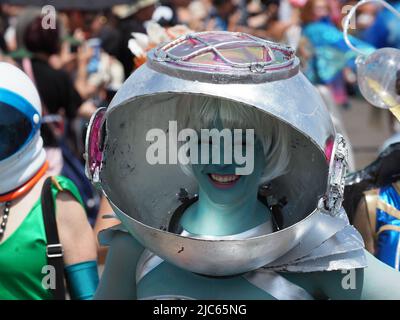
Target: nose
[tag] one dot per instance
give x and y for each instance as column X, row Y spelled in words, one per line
column 221, row 166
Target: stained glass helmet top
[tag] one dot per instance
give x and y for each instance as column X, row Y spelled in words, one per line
column 225, row 57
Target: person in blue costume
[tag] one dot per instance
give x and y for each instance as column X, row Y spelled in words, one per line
column 215, row 161
column 332, row 62
column 385, row 31
column 377, row 216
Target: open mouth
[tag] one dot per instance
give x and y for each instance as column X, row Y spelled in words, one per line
column 224, row 180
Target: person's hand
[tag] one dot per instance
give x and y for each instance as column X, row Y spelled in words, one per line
column 211, row 25
column 295, row 18
column 257, row 21
column 234, row 20
column 84, row 54
column 79, row 35
column 87, row 109
column 64, row 58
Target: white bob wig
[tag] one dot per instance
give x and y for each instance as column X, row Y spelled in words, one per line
column 202, row 112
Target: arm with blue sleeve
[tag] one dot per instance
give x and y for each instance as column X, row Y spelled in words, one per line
column 78, row 241
column 82, row 279
column 331, row 48
column 325, row 34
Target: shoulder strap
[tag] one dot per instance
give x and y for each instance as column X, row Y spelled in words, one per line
column 54, row 250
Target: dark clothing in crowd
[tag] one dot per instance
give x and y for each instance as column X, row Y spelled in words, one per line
column 3, row 47
column 110, row 40
column 174, row 19
column 126, row 27
column 57, row 93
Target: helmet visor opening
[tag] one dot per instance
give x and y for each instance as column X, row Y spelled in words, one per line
column 15, row 130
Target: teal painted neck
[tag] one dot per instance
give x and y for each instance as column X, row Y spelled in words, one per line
column 206, row 217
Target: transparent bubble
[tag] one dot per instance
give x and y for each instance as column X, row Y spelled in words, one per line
column 378, row 77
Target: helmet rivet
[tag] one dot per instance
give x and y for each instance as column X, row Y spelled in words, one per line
column 36, row 118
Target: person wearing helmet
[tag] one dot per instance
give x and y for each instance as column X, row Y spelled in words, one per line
column 373, row 193
column 223, row 165
column 376, row 208
column 33, row 242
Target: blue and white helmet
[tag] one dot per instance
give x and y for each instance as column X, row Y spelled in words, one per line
column 21, row 147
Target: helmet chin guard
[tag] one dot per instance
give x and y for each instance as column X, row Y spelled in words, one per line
column 231, row 66
column 337, row 175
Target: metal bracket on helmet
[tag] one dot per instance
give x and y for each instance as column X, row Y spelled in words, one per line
column 336, row 178
column 94, row 146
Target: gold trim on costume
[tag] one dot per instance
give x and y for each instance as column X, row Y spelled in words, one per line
column 387, row 227
column 371, row 198
column 396, row 186
column 388, row 208
column 57, row 184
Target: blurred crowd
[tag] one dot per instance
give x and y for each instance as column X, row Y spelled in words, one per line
column 80, row 64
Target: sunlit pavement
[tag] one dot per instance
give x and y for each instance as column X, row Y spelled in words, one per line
column 367, row 128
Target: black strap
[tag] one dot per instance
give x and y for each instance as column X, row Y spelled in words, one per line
column 175, row 227
column 54, row 251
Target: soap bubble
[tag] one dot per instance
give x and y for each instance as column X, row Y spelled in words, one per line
column 379, row 77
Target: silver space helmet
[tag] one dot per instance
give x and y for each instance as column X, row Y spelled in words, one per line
column 236, row 67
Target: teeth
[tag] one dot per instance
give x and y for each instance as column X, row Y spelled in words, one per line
column 224, row 178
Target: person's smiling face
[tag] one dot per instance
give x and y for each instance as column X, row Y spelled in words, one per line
column 220, row 181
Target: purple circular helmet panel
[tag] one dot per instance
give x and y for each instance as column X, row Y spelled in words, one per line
column 94, row 148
